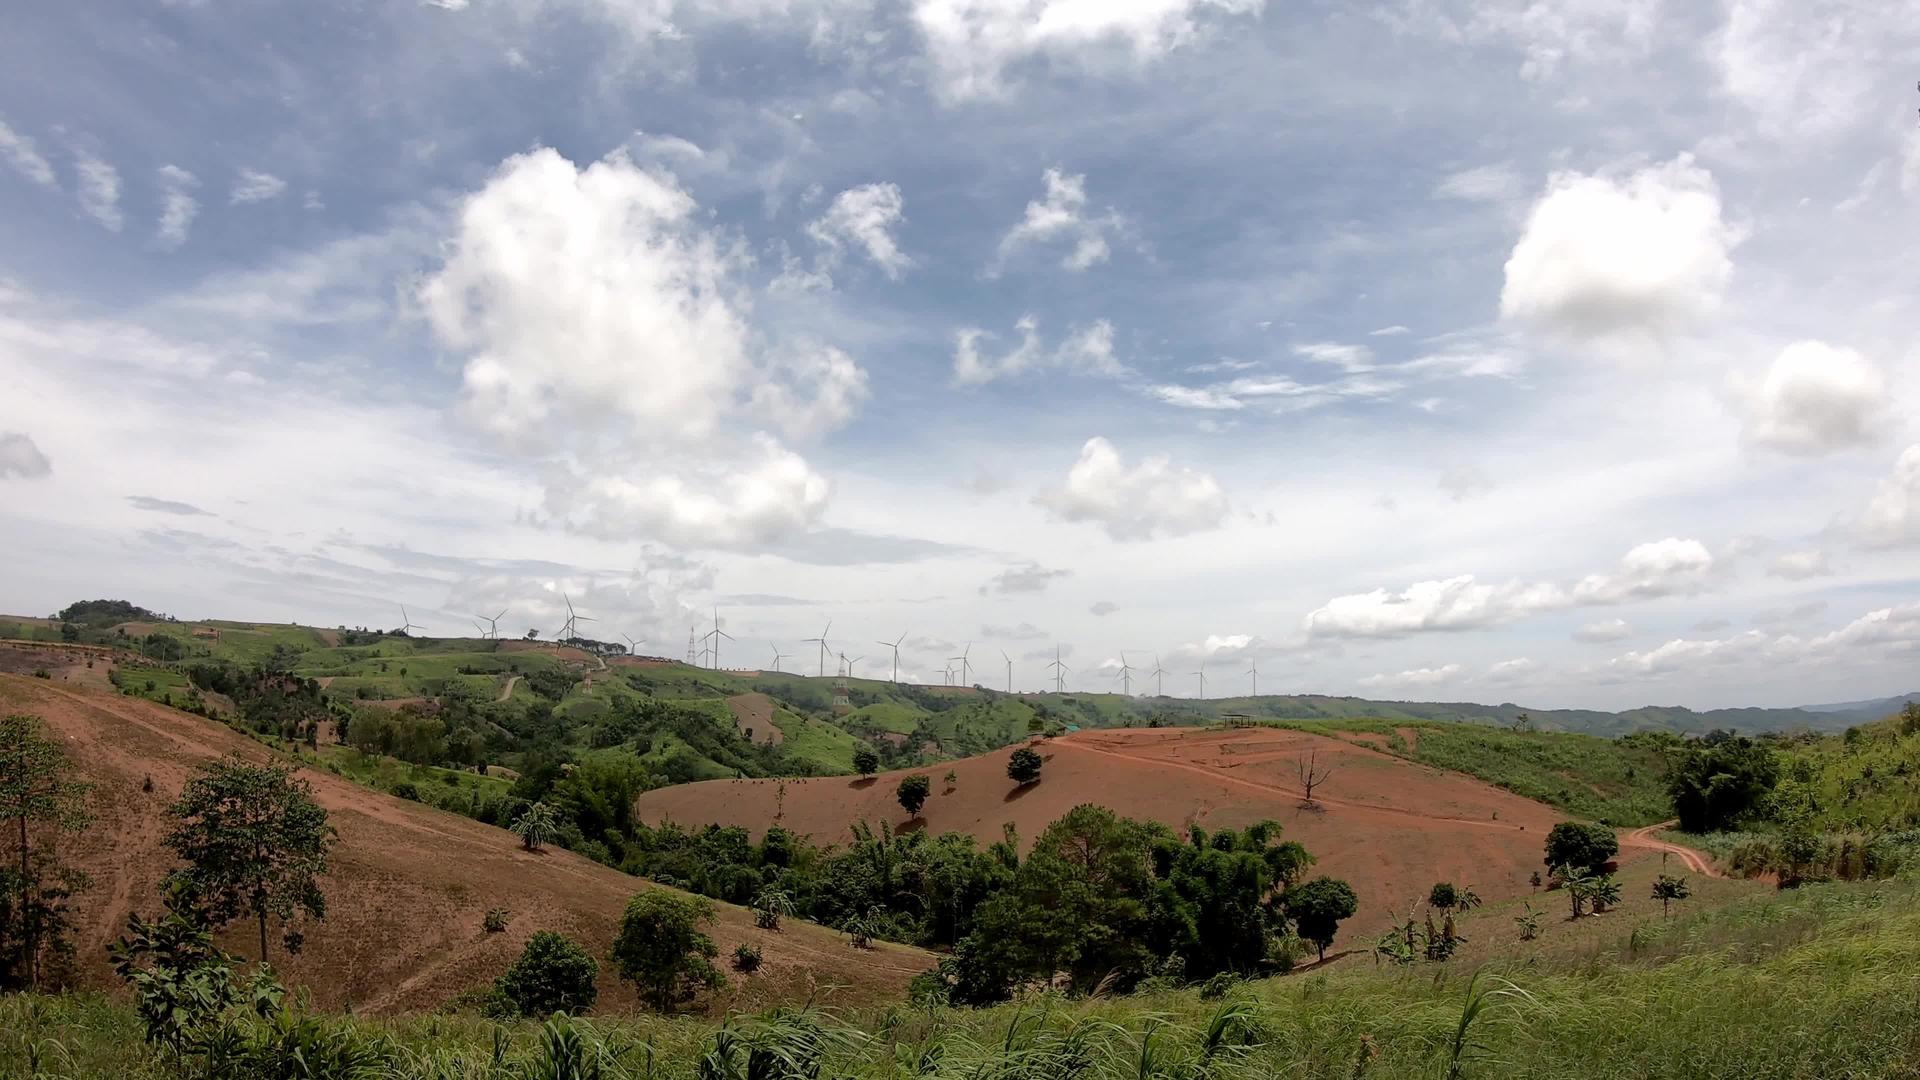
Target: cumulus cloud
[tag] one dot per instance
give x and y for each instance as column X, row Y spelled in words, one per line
column 1062, row 215
column 1151, row 499
column 253, row 186
column 21, row 459
column 864, row 218
column 178, row 207
column 1804, row 69
column 1816, row 398
column 1690, row 654
column 1667, row 567
column 1892, row 519
column 23, row 157
column 1646, row 254
column 1414, row 677
column 1086, row 350
column 1030, row 578
column 1897, row 627
column 1605, row 630
column 599, row 320
column 98, row 190
column 1798, row 565
column 973, row 43
column 1519, row 669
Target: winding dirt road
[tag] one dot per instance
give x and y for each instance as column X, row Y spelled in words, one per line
column 1694, row 860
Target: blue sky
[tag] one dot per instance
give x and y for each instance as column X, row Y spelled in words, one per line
column 1513, row 350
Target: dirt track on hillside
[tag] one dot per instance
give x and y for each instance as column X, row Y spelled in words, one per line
column 409, row 884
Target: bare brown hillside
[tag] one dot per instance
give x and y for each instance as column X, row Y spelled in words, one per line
column 408, row 886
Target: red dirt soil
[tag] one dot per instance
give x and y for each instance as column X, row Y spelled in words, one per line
column 408, row 885
column 753, row 716
column 1388, row 826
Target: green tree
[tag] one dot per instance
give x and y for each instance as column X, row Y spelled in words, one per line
column 663, row 951
column 913, row 793
column 552, row 975
column 865, row 761
column 1715, row 785
column 535, row 826
column 1667, row 889
column 1317, row 907
column 1023, row 767
column 1442, row 896
column 37, row 792
column 1583, row 847
column 254, row 842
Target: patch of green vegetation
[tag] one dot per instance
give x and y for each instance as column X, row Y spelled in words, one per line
column 165, row 685
column 819, row 747
column 1619, row 782
column 1698, row 995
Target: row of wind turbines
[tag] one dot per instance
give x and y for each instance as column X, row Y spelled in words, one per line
column 958, row 670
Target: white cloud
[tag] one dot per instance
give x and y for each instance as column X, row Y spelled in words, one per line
column 1196, row 397
column 1897, row 626
column 98, row 190
column 598, row 321
column 1669, row 567
column 1103, row 608
column 1062, row 215
column 974, row 42
column 1086, row 349
column 1153, row 498
column 1512, row 671
column 1030, row 578
column 253, row 186
column 1892, row 519
column 1483, row 183
column 1552, row 32
column 1644, row 254
column 865, row 217
column 177, row 205
column 1414, row 678
column 1817, row 398
column 1799, row 565
column 1689, row 654
column 20, row 458
column 1605, row 630
column 1352, row 359
column 18, row 151
column 1808, row 69
column 1661, row 568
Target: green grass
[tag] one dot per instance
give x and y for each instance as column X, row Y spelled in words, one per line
column 435, row 785
column 825, row 747
column 1590, row 777
column 1817, row 983
column 161, row 684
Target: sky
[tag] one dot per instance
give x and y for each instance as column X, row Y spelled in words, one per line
column 1510, row 350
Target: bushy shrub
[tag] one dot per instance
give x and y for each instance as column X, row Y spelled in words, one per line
column 746, row 958
column 495, row 920
column 552, row 975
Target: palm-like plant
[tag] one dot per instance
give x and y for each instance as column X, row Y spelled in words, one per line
column 770, row 905
column 535, row 826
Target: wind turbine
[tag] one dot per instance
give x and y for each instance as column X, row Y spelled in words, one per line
column 964, row 665
column 493, row 624
column 571, row 629
column 1059, row 669
column 1126, row 675
column 822, row 642
column 407, row 624
column 716, row 634
column 895, row 646
column 1203, row 680
column 1159, row 673
column 632, row 644
column 1253, row 669
column 778, row 656
column 1009, row 660
column 850, row 663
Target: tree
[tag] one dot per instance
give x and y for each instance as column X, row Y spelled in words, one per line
column 36, row 791
column 865, row 761
column 1668, row 889
column 535, row 826
column 913, row 793
column 1317, row 907
column 1312, row 776
column 1583, row 847
column 1717, row 784
column 553, row 974
column 255, row 843
column 662, row 950
column 1023, row 767
column 1443, row 896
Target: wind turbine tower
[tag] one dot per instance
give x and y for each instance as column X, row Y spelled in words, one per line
column 407, row 625
column 1253, row 669
column 1203, row 680
column 1126, row 675
column 1159, row 674
column 895, row 646
column 1059, row 669
column 822, row 642
column 965, row 680
column 1009, row 660
column 716, row 634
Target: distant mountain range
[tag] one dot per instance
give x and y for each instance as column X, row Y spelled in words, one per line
column 1836, row 716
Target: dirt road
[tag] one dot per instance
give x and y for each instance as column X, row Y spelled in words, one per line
column 1694, row 861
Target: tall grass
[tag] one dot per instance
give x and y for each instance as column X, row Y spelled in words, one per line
column 1819, row 982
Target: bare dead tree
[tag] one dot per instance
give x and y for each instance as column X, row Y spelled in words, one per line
column 1312, row 776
